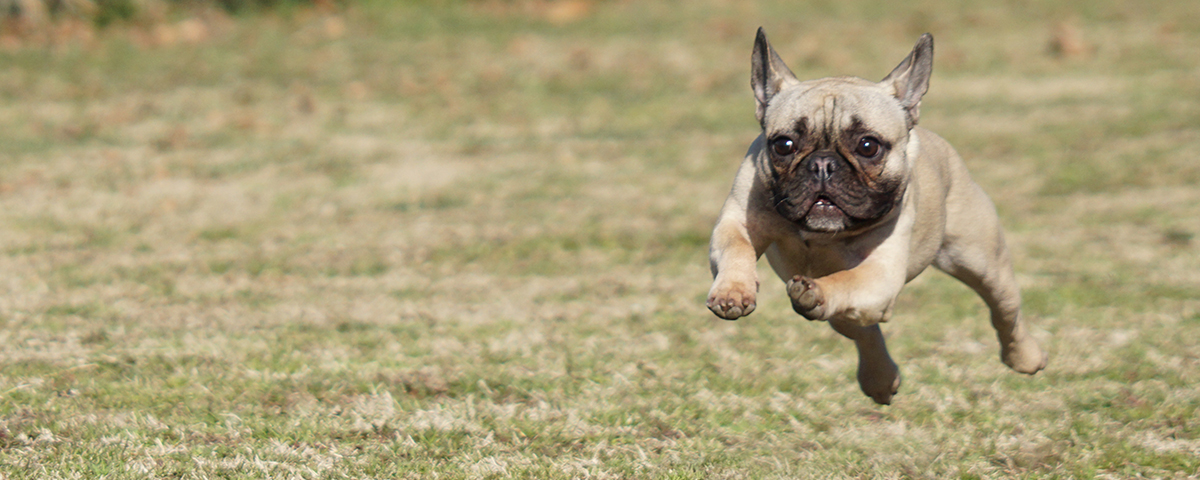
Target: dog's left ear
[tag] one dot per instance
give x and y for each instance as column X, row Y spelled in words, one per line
column 910, row 79
column 768, row 74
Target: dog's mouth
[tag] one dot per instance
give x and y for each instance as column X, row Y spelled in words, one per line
column 823, row 205
column 830, row 209
column 823, row 201
column 825, row 216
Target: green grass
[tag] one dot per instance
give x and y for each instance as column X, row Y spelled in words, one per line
column 469, row 240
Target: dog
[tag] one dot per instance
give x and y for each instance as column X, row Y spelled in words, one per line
column 850, row 200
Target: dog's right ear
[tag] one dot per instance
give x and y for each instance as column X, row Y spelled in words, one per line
column 768, row 75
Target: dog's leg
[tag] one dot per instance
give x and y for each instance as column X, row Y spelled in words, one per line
column 877, row 373
column 735, row 277
column 737, row 242
column 981, row 260
column 994, row 282
column 863, row 295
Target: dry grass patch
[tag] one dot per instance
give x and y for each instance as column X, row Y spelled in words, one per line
column 463, row 242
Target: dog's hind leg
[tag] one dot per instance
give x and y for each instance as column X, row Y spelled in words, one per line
column 877, row 373
column 982, row 262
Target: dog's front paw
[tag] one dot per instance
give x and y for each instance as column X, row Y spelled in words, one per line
column 807, row 298
column 730, row 300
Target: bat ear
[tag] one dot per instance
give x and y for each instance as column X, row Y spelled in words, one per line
column 910, row 79
column 768, row 74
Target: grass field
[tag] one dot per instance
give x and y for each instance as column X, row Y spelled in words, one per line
column 469, row 240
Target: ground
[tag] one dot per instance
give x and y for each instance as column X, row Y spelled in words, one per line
column 469, row 240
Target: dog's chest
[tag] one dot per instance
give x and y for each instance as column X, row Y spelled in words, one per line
column 795, row 256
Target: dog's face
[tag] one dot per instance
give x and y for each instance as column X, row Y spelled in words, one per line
column 836, row 149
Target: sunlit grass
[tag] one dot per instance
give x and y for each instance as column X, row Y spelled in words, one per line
column 469, row 240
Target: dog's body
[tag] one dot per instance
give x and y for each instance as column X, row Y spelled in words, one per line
column 849, row 200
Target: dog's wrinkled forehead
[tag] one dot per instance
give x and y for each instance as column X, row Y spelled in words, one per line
column 831, row 105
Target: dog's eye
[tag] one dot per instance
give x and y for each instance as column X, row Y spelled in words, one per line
column 868, row 147
column 783, row 146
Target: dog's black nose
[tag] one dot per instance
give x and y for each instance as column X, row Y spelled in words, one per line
column 823, row 164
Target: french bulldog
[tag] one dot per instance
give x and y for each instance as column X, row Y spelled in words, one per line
column 850, row 200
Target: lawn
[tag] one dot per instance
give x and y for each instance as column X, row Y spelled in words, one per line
column 469, row 240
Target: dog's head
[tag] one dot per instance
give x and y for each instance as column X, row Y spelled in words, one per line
column 836, row 149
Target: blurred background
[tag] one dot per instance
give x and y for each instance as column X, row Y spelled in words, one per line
column 327, row 239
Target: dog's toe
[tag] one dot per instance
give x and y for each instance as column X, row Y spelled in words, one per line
column 1027, row 358
column 807, row 298
column 731, row 309
column 880, row 382
column 731, row 301
column 882, row 398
